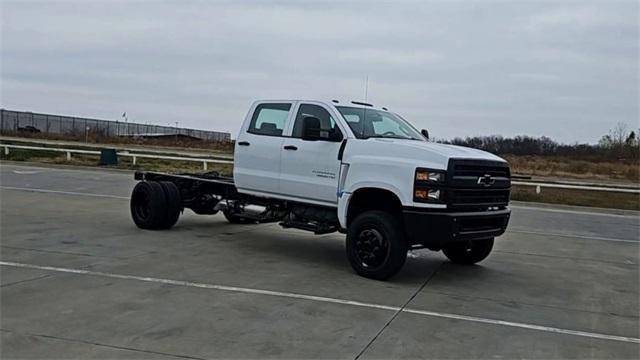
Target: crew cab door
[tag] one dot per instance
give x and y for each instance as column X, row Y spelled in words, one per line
column 310, row 169
column 258, row 148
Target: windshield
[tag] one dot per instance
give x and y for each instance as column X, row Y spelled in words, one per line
column 367, row 123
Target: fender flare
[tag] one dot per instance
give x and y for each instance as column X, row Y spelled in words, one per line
column 345, row 197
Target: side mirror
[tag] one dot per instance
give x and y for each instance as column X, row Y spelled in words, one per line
column 425, row 133
column 312, row 131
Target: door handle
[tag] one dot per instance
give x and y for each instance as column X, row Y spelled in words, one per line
column 291, row 147
column 244, row 143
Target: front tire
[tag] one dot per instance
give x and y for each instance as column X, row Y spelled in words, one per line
column 468, row 253
column 376, row 245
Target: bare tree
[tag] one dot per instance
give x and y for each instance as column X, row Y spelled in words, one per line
column 620, row 133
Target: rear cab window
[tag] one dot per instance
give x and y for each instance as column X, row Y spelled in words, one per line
column 269, row 119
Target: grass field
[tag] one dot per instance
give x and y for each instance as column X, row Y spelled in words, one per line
column 556, row 166
column 162, row 142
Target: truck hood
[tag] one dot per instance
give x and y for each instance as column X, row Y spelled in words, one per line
column 451, row 151
column 422, row 150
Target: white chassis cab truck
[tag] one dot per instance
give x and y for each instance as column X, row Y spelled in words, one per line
column 351, row 167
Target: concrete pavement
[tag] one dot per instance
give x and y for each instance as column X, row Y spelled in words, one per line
column 79, row 280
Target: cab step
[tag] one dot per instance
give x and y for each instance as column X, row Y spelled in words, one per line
column 317, row 229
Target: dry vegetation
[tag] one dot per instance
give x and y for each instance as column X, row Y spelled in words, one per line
column 164, row 142
column 616, row 156
column 565, row 167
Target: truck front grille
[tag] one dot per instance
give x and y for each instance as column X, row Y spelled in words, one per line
column 477, row 184
column 483, row 197
column 480, row 170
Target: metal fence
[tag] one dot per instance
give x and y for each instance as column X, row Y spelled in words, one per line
column 16, row 121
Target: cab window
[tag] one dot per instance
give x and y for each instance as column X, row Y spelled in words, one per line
column 327, row 122
column 269, row 119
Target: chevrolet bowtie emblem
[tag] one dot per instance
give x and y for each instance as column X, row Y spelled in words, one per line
column 486, row 180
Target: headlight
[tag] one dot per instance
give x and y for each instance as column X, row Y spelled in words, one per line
column 432, row 176
column 430, row 194
column 428, row 185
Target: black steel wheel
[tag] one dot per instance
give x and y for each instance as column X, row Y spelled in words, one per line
column 148, row 205
column 376, row 245
column 468, row 253
column 372, row 248
column 174, row 204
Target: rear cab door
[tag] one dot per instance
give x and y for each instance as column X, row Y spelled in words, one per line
column 257, row 155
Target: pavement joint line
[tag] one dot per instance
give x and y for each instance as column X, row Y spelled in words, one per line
column 575, row 236
column 328, row 300
column 395, row 315
column 103, row 345
column 26, row 280
column 64, row 192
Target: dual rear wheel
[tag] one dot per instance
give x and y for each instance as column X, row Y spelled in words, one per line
column 155, row 205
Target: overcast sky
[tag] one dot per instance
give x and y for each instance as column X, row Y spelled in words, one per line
column 567, row 70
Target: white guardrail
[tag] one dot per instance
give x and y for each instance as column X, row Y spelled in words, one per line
column 118, row 147
column 134, row 157
column 205, row 161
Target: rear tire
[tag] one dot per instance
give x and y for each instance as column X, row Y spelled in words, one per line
column 468, row 253
column 174, row 204
column 148, row 205
column 237, row 218
column 376, row 245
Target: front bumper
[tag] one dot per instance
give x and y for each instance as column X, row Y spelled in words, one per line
column 435, row 229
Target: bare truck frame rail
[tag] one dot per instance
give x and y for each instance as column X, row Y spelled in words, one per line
column 209, row 193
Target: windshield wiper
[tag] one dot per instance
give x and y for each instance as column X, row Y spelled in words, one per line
column 389, row 137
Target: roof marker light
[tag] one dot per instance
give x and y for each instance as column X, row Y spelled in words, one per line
column 361, row 103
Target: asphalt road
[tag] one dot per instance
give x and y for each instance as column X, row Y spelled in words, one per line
column 79, row 280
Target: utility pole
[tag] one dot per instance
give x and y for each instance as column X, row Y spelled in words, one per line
column 124, row 116
column 176, row 132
